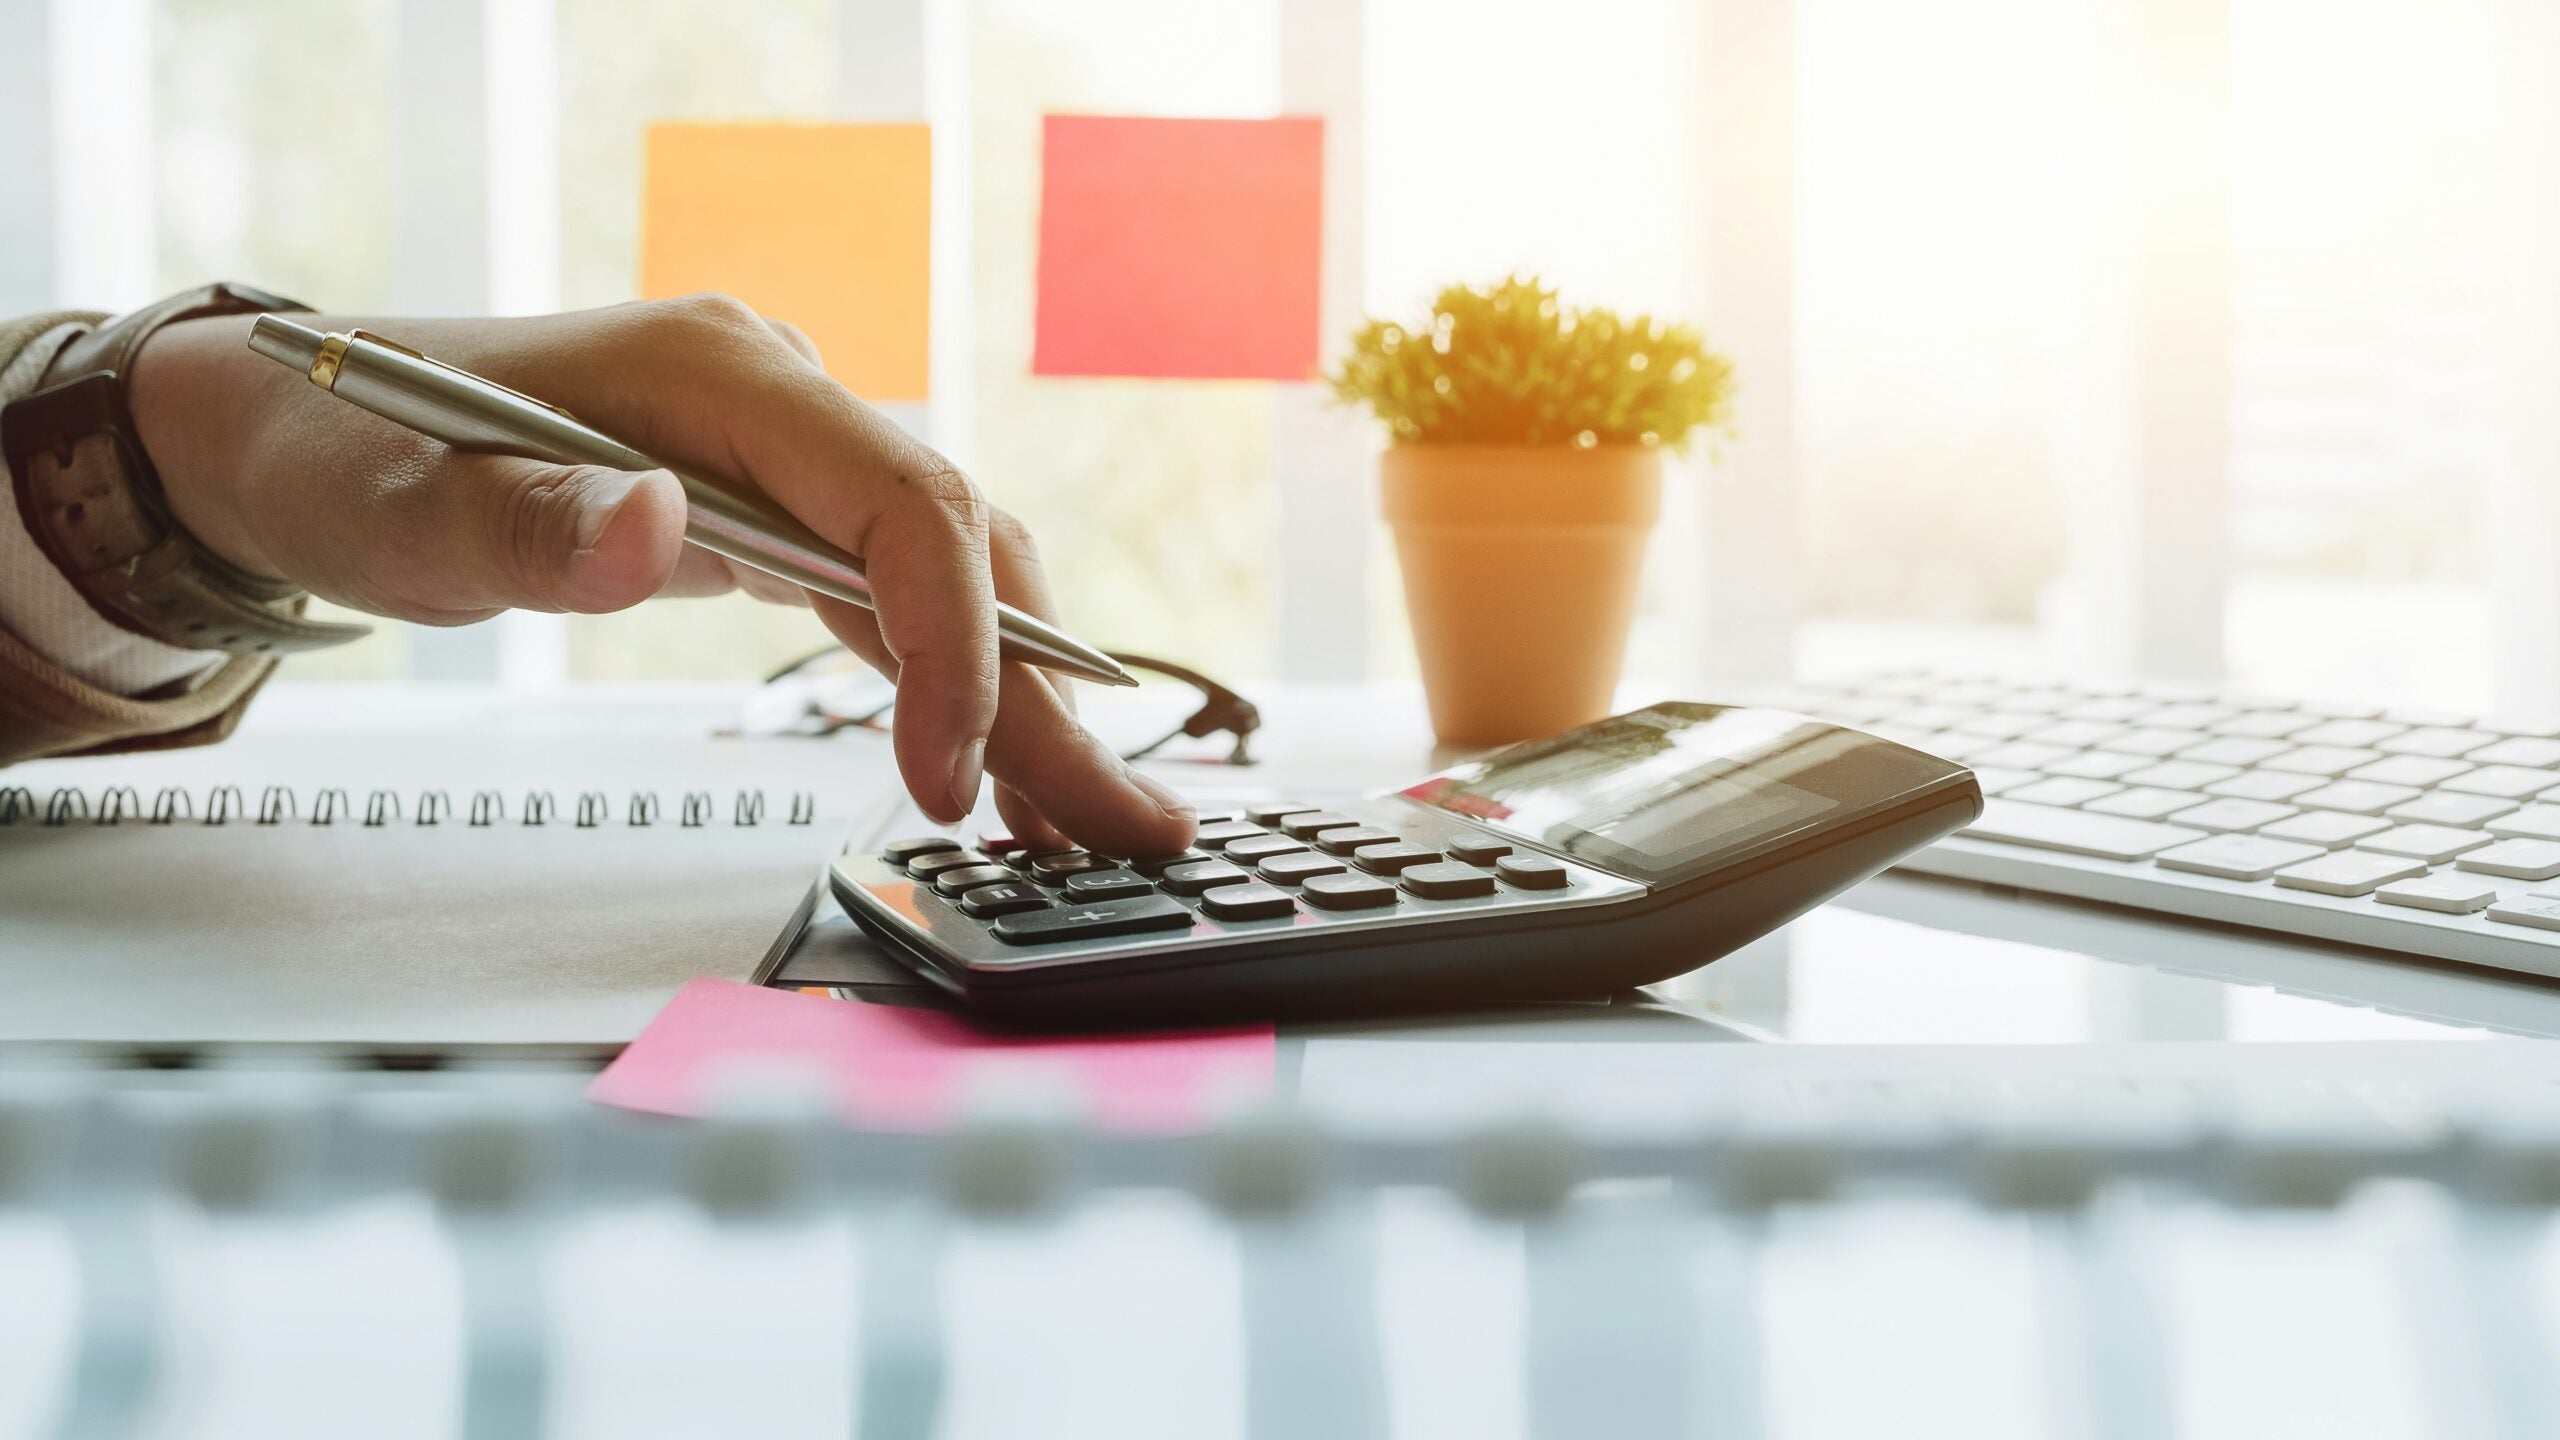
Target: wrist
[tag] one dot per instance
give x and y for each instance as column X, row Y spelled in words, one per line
column 193, row 395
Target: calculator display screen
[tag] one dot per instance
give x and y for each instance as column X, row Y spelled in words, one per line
column 1663, row 794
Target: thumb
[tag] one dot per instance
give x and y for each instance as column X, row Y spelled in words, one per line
column 527, row 535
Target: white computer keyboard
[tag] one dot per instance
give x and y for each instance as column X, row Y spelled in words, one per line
column 2423, row 833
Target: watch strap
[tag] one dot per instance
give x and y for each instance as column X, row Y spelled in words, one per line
column 94, row 504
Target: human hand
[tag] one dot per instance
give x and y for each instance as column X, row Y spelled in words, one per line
column 282, row 480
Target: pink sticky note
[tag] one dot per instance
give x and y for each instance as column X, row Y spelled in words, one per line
column 892, row 1068
column 1179, row 248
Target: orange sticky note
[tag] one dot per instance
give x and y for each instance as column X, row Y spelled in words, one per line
column 1179, row 248
column 826, row 226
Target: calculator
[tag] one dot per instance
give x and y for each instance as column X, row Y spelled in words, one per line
column 1621, row 853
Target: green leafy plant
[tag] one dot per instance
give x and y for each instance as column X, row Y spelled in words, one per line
column 1510, row 364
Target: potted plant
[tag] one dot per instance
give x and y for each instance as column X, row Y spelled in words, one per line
column 1524, row 474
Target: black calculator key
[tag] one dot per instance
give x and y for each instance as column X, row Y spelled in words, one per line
column 1217, row 817
column 1054, row 867
column 999, row 845
column 1215, row 837
column 1254, row 849
column 1294, row 869
column 969, row 877
column 1446, row 880
column 1003, row 898
column 925, row 867
column 1252, row 901
column 1202, row 875
column 1308, row 823
column 899, row 852
column 1392, row 857
column 1478, row 852
column 1348, row 892
column 1092, row 922
column 1343, row 842
column 1270, row 812
column 1158, row 864
column 1113, row 884
column 1530, row 872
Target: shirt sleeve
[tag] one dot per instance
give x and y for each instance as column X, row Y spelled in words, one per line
column 71, row 681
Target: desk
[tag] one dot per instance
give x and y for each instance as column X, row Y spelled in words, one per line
column 669, row 1327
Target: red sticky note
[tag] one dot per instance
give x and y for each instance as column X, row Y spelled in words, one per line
column 892, row 1068
column 1179, row 249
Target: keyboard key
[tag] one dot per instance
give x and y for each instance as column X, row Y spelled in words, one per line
column 1272, row 812
column 2435, row 740
column 1250, row 901
column 1215, row 837
column 1310, row 823
column 2061, row 791
column 2221, row 815
column 2536, row 754
column 1348, row 892
column 2077, row 832
column 2181, row 775
column 2450, row 894
column 2348, row 872
column 2327, row 829
column 925, row 867
column 2507, row 782
column 2264, row 785
column 2465, row 812
column 2022, row 755
column 1202, row 876
column 1537, row 872
column 2320, row 760
column 2434, row 719
column 1446, row 880
column 2188, row 717
column 1107, row 885
column 2360, row 797
column 1343, row 842
column 2232, row 750
column 2074, row 734
column 2356, row 732
column 1092, row 922
column 2155, row 742
column 1479, row 852
column 1158, row 864
column 2265, row 724
column 2542, row 912
column 1392, row 857
column 2001, row 725
column 2415, row 770
column 2533, row 822
column 1295, row 869
column 2515, row 859
column 2237, row 857
column 2145, row 804
column 2097, row 765
column 1993, row 779
column 1054, row 867
column 962, row 879
column 1254, row 849
column 2434, row 844
column 2111, row 710
column 899, row 852
column 1007, row 897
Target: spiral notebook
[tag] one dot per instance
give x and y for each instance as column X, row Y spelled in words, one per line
column 413, row 915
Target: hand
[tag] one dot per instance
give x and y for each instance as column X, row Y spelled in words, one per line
column 282, row 480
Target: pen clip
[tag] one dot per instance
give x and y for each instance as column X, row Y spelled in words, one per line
column 425, row 359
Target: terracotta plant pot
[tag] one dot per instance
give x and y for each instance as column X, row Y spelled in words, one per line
column 1520, row 569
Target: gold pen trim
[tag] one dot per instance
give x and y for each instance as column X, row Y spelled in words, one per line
column 324, row 365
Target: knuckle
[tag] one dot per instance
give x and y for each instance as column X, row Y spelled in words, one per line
column 1006, row 532
column 954, row 498
column 540, row 529
column 715, row 313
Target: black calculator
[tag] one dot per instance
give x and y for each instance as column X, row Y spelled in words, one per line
column 1612, row 856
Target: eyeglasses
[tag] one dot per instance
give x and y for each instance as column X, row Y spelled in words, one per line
column 829, row 691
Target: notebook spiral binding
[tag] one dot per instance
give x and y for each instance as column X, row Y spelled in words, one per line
column 283, row 805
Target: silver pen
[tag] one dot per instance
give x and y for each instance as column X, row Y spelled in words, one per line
column 470, row 413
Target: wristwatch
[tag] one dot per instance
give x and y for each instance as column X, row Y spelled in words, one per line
column 94, row 505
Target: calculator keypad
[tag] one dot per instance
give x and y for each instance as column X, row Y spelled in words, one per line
column 1268, row 869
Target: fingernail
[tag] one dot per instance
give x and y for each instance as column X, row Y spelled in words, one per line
column 1167, row 801
column 598, row 502
column 965, row 774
